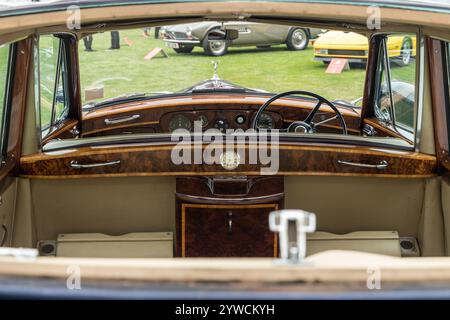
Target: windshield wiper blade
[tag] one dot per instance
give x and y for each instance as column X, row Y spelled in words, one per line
column 221, row 90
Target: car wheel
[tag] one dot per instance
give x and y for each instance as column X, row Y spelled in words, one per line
column 215, row 48
column 297, row 39
column 184, row 49
column 405, row 53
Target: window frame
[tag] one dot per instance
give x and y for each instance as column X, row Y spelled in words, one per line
column 44, row 131
column 6, row 112
column 446, row 62
column 412, row 134
column 379, row 74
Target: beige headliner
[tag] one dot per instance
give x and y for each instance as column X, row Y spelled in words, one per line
column 434, row 21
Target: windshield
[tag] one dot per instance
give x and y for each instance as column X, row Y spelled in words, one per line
column 264, row 57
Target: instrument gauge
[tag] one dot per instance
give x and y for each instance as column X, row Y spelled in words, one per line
column 179, row 121
column 221, row 125
column 203, row 119
column 240, row 119
column 265, row 121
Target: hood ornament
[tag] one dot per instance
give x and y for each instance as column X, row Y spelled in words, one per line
column 215, row 78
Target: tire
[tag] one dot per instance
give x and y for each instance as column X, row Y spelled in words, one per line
column 184, row 49
column 357, row 65
column 297, row 39
column 405, row 53
column 214, row 48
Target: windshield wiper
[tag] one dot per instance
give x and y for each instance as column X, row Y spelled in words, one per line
column 221, row 90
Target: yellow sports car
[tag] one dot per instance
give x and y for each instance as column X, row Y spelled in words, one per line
column 354, row 47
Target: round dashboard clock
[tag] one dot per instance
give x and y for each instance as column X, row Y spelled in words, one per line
column 230, row 160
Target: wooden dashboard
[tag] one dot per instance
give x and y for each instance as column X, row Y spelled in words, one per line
column 158, row 115
column 155, row 160
column 219, row 111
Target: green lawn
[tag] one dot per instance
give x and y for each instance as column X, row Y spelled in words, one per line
column 275, row 69
column 4, row 54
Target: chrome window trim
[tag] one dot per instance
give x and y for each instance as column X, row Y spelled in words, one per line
column 420, row 65
column 381, row 65
column 37, row 91
column 55, row 87
column 387, row 68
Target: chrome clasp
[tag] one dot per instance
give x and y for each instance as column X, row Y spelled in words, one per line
column 292, row 244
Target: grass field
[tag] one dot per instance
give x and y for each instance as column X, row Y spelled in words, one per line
column 4, row 50
column 275, row 69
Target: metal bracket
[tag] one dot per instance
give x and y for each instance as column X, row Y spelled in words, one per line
column 292, row 251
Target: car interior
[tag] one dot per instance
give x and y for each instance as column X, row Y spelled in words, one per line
column 91, row 171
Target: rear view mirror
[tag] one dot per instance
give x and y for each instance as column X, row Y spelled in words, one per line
column 223, row 35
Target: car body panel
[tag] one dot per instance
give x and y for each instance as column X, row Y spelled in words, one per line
column 250, row 33
column 353, row 46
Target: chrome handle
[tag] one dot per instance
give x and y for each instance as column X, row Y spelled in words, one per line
column 381, row 166
column 76, row 165
column 122, row 119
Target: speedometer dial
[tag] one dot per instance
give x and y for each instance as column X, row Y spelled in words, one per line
column 179, row 122
column 265, row 121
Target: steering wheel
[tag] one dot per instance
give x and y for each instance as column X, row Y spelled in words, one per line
column 305, row 126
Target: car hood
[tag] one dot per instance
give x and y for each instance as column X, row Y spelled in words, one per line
column 341, row 39
column 189, row 26
column 403, row 89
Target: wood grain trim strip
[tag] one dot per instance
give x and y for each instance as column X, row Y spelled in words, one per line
column 222, row 206
column 248, row 173
column 205, row 100
column 327, row 126
column 19, row 96
column 128, row 125
column 293, row 160
column 438, row 96
column 120, row 149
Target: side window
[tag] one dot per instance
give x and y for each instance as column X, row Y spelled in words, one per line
column 447, row 62
column 52, row 74
column 448, row 68
column 5, row 51
column 397, row 81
